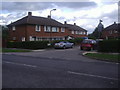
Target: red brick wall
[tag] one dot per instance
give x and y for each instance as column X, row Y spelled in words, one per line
column 107, row 33
column 29, row 30
column 18, row 33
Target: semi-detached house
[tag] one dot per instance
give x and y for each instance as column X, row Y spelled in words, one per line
column 33, row 28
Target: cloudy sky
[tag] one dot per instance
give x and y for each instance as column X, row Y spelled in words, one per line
column 85, row 14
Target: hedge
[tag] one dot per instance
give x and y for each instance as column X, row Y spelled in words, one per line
column 28, row 44
column 109, row 46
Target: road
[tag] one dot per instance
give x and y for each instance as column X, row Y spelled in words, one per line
column 40, row 72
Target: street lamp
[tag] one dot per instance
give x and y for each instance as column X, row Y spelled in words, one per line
column 51, row 27
column 51, row 11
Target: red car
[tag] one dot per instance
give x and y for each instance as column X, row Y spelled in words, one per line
column 88, row 44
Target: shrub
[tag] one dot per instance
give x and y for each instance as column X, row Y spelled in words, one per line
column 109, row 46
column 28, row 44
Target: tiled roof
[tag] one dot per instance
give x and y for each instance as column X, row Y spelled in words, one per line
column 114, row 26
column 38, row 20
column 44, row 21
column 74, row 27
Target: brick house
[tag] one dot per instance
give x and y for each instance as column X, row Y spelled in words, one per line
column 33, row 28
column 112, row 31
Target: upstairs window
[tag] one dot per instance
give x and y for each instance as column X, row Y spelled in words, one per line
column 47, row 28
column 80, row 32
column 38, row 28
column 55, row 29
column 13, row 28
column 62, row 29
column 72, row 32
column 76, row 32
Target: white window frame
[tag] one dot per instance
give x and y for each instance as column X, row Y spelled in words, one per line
column 14, row 38
column 13, row 28
column 80, row 32
column 57, row 29
column 38, row 28
column 62, row 29
column 54, row 29
column 23, row 38
column 72, row 32
column 47, row 28
column 76, row 32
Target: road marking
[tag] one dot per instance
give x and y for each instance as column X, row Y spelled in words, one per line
column 90, row 75
column 20, row 64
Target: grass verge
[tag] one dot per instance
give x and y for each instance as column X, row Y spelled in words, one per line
column 105, row 56
column 14, row 50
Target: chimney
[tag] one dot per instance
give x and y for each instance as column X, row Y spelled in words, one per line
column 49, row 16
column 29, row 13
column 65, row 22
column 74, row 23
column 114, row 22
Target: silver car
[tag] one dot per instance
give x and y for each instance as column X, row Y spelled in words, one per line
column 64, row 44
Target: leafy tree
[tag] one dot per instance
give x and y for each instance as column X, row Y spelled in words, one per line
column 4, row 32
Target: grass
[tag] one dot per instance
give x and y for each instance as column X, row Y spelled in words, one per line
column 105, row 56
column 14, row 50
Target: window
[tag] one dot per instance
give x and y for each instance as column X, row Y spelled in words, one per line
column 14, row 38
column 23, row 38
column 110, row 32
column 37, row 28
column 47, row 28
column 31, row 38
column 13, row 28
column 76, row 32
column 115, row 31
column 80, row 32
column 84, row 33
column 55, row 29
column 72, row 32
column 62, row 29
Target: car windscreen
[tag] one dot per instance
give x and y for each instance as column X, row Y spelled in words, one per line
column 89, row 41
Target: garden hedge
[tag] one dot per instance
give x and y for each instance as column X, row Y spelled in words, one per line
column 109, row 46
column 28, row 44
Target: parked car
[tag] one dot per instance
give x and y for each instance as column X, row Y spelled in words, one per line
column 88, row 44
column 64, row 44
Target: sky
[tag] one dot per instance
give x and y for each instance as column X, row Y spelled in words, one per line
column 85, row 14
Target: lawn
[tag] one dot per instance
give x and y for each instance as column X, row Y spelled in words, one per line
column 14, row 50
column 105, row 56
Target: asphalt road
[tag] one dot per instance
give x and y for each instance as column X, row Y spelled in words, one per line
column 37, row 72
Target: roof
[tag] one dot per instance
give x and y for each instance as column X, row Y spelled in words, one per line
column 37, row 20
column 74, row 27
column 115, row 26
column 44, row 21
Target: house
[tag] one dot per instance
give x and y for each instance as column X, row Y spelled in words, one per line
column 75, row 31
column 112, row 31
column 33, row 28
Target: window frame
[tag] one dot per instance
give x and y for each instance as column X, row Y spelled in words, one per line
column 62, row 29
column 37, row 28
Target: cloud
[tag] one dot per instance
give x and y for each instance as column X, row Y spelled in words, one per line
column 84, row 14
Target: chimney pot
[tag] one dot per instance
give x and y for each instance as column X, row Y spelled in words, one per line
column 74, row 23
column 114, row 22
column 29, row 13
column 65, row 22
column 49, row 16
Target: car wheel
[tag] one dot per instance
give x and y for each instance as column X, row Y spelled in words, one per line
column 72, row 46
column 81, row 48
column 64, row 47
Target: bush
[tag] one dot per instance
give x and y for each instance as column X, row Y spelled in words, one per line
column 28, row 44
column 109, row 46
